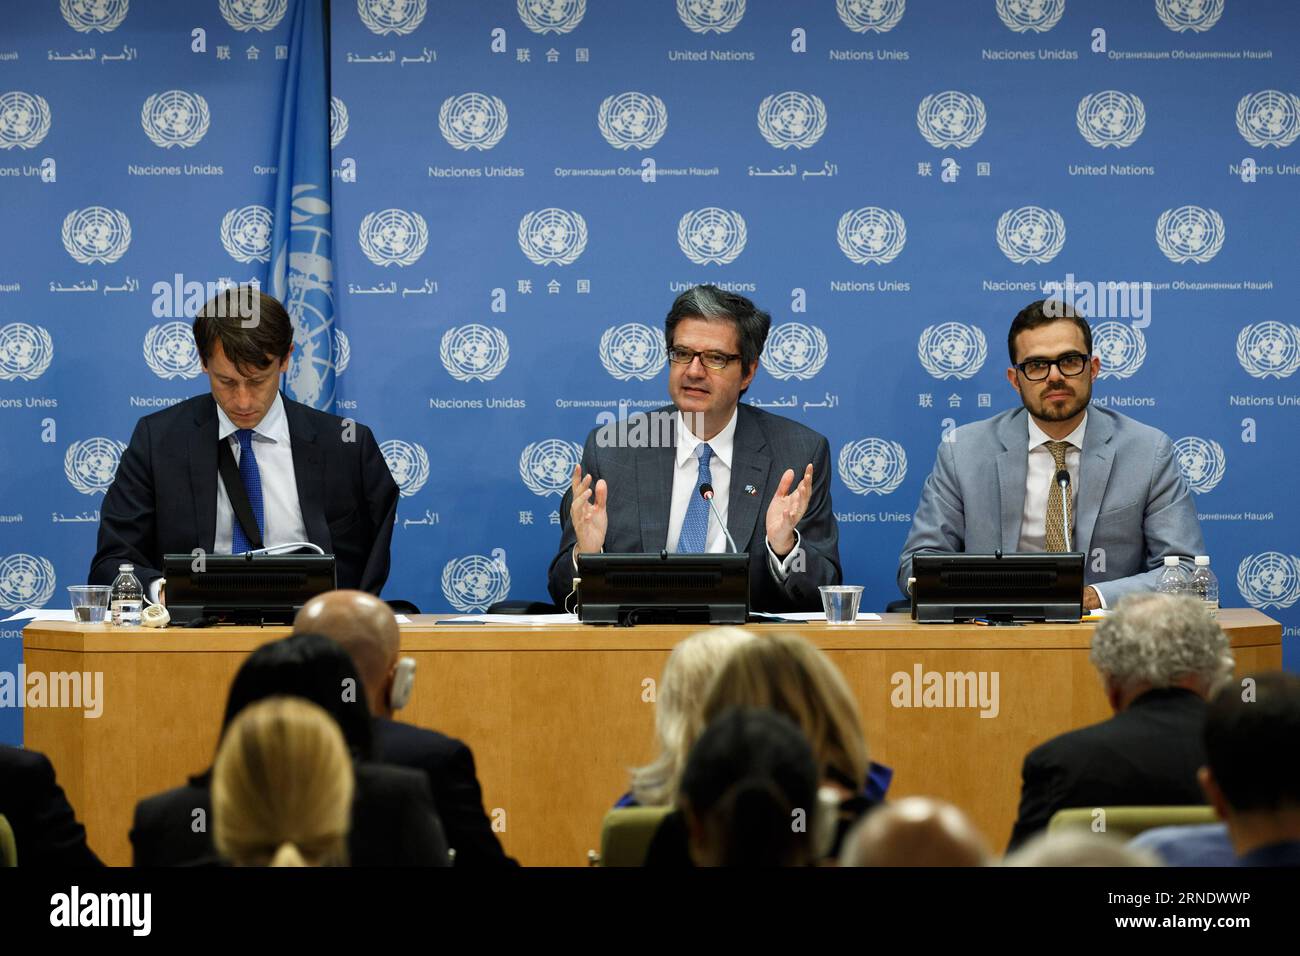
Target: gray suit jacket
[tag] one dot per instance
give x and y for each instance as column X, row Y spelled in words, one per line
column 1133, row 505
column 640, row 496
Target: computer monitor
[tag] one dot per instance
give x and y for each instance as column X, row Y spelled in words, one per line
column 244, row 588
column 1000, row 588
column 663, row 588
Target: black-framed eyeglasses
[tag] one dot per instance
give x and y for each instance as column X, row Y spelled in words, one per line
column 713, row 360
column 1037, row 369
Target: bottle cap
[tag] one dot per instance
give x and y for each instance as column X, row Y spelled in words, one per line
column 1202, row 560
column 125, row 567
column 1171, row 561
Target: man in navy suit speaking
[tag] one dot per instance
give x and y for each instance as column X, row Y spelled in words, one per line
column 307, row 475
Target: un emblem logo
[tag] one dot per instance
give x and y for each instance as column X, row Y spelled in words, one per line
column 24, row 119
column 341, row 352
column 552, row 236
column 25, row 352
column 1111, row 118
column 1196, row 15
column 1201, row 461
column 632, row 120
column 91, row 464
column 103, row 16
column 170, row 352
column 1266, row 118
column 871, row 234
column 795, row 351
column 711, row 16
column 551, row 16
column 393, row 237
column 1121, row 348
column 792, row 119
column 175, row 118
column 476, row 581
column 1189, row 234
column 1025, row 16
column 952, row 350
column 409, row 464
column 399, row 17
column 633, row 351
column 338, row 121
column 246, row 234
column 96, row 234
column 872, row 466
column 246, row 15
column 473, row 120
column 1031, row 234
column 712, row 235
column 26, row 581
column 1271, row 579
column 547, row 466
column 1269, row 349
column 951, row 118
column 876, row 16
column 474, row 353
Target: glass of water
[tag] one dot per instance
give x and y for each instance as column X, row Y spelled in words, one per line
column 840, row 602
column 89, row 602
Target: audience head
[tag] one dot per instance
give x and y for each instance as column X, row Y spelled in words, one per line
column 915, row 831
column 282, row 787
column 311, row 667
column 1077, row 847
column 366, row 628
column 1252, row 737
column 787, row 674
column 1153, row 641
column 679, row 705
column 749, row 792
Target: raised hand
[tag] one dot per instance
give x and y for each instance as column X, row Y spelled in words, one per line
column 787, row 509
column 588, row 514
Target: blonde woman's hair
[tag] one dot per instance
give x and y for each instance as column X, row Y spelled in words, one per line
column 679, row 701
column 282, row 787
column 786, row 673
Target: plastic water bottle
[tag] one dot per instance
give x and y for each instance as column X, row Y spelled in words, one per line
column 127, row 597
column 1174, row 579
column 1206, row 586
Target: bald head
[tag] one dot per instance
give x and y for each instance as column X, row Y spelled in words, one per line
column 916, row 831
column 362, row 625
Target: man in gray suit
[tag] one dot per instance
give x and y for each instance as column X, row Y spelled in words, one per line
column 993, row 486
column 637, row 488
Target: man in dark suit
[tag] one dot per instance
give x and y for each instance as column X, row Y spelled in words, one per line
column 1158, row 656
column 365, row 627
column 307, row 475
column 46, row 831
column 637, row 488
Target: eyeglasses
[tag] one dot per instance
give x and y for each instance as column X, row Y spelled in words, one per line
column 1070, row 364
column 713, row 360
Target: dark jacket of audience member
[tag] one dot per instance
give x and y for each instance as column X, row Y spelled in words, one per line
column 46, row 831
column 393, row 817
column 449, row 765
column 1145, row 755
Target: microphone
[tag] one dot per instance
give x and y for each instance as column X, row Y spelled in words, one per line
column 706, row 492
column 1063, row 479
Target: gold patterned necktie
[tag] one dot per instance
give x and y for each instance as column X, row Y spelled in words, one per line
column 1055, row 518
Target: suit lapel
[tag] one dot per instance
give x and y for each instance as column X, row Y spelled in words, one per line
column 750, row 464
column 654, row 486
column 308, row 473
column 203, row 473
column 1013, row 469
column 1094, row 472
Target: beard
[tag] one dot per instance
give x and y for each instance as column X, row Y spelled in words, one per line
column 1058, row 411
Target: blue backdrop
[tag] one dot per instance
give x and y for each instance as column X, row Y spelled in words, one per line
column 519, row 190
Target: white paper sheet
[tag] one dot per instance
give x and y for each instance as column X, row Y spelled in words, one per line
column 41, row 614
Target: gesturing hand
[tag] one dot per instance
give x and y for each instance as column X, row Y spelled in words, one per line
column 786, row 510
column 588, row 514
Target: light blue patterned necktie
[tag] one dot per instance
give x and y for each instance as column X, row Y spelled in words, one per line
column 695, row 527
column 252, row 481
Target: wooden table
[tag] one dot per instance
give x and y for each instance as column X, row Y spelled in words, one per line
column 556, row 716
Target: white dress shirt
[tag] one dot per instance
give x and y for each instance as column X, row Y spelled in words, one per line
column 281, row 512
column 1038, row 484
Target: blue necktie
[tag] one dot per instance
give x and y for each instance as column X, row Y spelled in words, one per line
column 695, row 527
column 252, row 480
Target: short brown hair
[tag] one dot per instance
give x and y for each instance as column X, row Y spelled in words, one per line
column 1045, row 312
column 253, row 328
